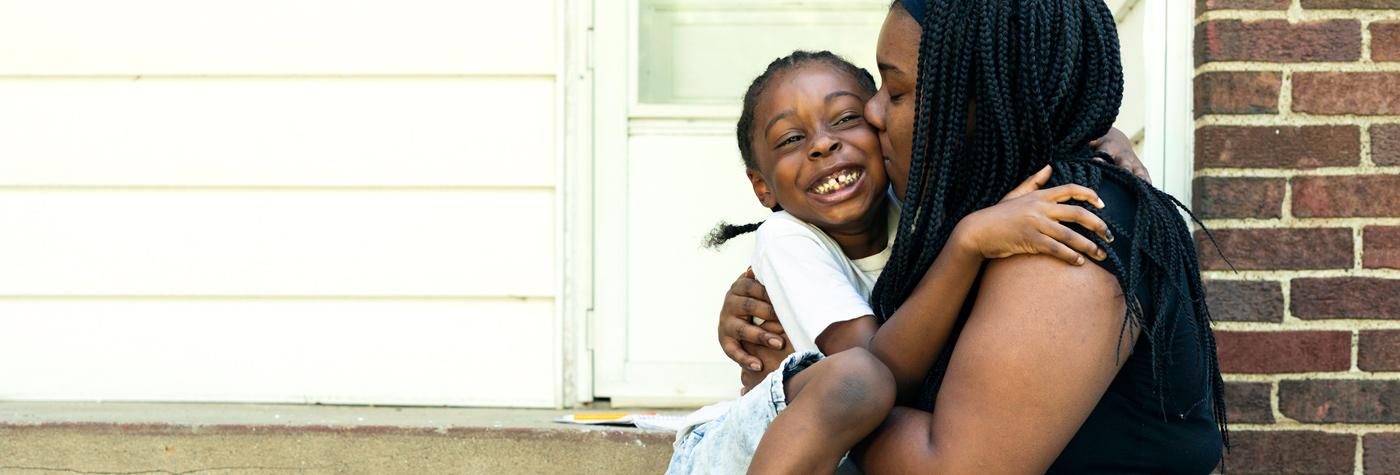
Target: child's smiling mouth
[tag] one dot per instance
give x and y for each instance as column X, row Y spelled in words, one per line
column 837, row 185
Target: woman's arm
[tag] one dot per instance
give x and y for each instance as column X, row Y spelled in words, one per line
column 1027, row 222
column 1036, row 355
column 746, row 297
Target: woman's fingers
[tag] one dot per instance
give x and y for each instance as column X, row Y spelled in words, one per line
column 1049, row 246
column 1083, row 217
column 1075, row 241
column 734, row 332
column 773, row 326
column 1069, row 192
column 1031, row 184
column 747, row 286
column 735, row 352
column 740, row 325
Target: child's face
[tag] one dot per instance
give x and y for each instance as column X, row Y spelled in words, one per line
column 816, row 155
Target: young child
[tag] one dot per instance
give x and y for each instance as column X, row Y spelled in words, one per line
column 812, row 158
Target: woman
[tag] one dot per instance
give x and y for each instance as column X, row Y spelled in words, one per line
column 1057, row 368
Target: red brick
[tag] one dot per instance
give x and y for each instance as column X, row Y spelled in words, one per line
column 1346, row 93
column 1249, row 402
column 1385, row 41
column 1227, row 197
column 1276, row 248
column 1385, row 144
column 1278, row 41
column 1275, row 452
column 1244, row 301
column 1382, row 247
column 1278, row 147
column 1238, row 92
column 1348, row 4
column 1346, row 196
column 1345, row 297
column 1340, row 400
column 1283, row 351
column 1207, row 5
column 1378, row 350
column 1382, row 454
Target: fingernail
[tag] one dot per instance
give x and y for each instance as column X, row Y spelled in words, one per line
column 1079, row 261
column 1108, row 235
column 1099, row 203
column 1101, row 254
column 775, row 343
column 755, row 366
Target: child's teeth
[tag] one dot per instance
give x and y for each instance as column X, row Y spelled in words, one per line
column 837, row 181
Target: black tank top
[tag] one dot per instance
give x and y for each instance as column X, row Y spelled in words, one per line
column 1132, row 429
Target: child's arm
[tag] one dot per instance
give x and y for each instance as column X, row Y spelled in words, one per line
column 1025, row 222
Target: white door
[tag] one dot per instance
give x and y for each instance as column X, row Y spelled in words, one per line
column 669, row 75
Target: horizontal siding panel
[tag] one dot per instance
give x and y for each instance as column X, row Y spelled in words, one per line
column 295, row 351
column 276, row 37
column 491, row 132
column 438, row 243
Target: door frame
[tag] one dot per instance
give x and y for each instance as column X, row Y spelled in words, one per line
column 574, row 203
column 1170, row 32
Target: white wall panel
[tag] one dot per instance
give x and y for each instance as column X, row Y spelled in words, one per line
column 675, row 285
column 468, row 243
column 465, row 352
column 273, row 132
column 276, row 37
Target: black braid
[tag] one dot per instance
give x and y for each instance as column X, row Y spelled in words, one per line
column 744, row 129
column 1046, row 78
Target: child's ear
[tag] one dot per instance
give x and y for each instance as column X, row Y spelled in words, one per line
column 761, row 191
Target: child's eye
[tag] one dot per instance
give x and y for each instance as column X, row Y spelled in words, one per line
column 847, row 118
column 794, row 138
column 896, row 97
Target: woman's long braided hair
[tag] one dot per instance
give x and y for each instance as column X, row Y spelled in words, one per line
column 1041, row 78
column 745, row 128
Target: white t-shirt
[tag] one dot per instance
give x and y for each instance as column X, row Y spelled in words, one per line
column 810, row 281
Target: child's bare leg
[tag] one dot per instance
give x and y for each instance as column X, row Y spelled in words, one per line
column 832, row 405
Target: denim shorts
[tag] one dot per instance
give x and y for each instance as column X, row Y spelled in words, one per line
column 726, row 445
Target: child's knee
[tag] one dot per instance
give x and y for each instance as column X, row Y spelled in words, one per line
column 861, row 382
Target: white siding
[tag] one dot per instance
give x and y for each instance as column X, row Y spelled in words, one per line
column 240, row 132
column 388, row 351
column 277, row 37
column 296, row 201
column 270, row 243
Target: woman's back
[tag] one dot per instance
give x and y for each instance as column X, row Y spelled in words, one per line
column 1132, row 429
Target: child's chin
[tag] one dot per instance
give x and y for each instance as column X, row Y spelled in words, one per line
column 851, row 211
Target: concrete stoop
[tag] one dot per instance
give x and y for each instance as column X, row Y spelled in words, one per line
column 129, row 439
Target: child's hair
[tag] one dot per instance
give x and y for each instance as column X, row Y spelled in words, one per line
column 744, row 130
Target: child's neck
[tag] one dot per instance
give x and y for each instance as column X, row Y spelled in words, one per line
column 870, row 240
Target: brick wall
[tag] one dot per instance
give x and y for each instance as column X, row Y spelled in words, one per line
column 1297, row 149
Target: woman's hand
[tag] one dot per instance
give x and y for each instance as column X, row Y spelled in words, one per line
column 745, row 300
column 770, row 357
column 1120, row 148
column 1029, row 221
